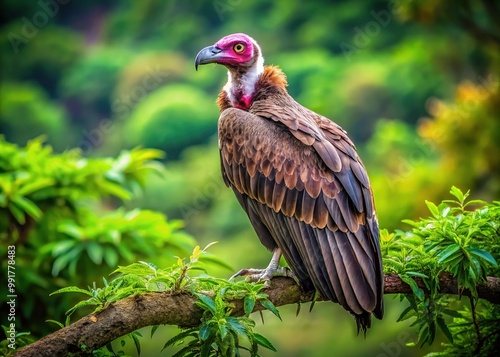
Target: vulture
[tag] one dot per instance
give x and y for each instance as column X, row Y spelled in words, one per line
column 300, row 180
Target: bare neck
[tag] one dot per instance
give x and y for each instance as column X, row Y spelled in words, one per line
column 271, row 80
column 241, row 83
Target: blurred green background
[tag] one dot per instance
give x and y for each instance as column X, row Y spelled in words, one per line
column 415, row 84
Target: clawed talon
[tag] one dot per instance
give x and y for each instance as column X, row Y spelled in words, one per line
column 250, row 274
column 263, row 275
column 255, row 276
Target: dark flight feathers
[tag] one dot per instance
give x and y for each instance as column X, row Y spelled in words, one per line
column 305, row 190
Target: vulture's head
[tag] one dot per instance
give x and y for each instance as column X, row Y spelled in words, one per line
column 237, row 52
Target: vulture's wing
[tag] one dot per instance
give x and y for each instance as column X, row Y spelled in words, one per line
column 306, row 191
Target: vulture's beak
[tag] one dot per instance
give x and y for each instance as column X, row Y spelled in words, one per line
column 210, row 54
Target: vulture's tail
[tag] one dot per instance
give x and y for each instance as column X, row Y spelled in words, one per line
column 363, row 321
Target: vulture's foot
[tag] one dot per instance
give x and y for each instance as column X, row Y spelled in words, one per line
column 265, row 275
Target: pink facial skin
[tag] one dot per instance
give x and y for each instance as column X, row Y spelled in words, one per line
column 231, row 57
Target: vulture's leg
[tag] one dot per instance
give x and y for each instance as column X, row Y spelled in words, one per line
column 273, row 269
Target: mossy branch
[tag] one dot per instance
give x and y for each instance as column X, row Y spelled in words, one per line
column 154, row 308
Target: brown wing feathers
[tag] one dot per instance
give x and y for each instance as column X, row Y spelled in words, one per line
column 274, row 176
column 299, row 176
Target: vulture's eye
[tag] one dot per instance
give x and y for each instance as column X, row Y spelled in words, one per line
column 239, row 47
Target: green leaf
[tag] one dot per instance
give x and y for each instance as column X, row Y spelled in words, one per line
column 444, row 328
column 270, row 306
column 228, row 346
column 114, row 189
column 63, row 246
column 197, row 268
column 476, row 202
column 206, row 301
column 419, row 293
column 483, row 254
column 223, row 330
column 471, row 277
column 456, row 192
column 62, row 261
column 137, row 269
column 109, row 347
column 17, row 213
column 55, row 322
column 261, row 340
column 72, row 289
column 236, row 324
column 110, row 256
column 452, row 313
column 450, row 250
column 95, row 252
column 406, row 314
column 414, row 273
column 89, row 302
column 248, row 304
column 212, row 281
column 28, row 206
column 205, row 332
column 71, row 229
column 49, row 192
column 424, row 335
column 35, row 185
column 207, row 347
column 433, row 208
column 411, row 223
column 122, row 161
column 177, row 339
column 137, row 343
column 446, row 211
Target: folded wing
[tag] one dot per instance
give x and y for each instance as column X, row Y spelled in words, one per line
column 299, row 179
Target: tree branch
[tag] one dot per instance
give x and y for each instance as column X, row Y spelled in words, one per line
column 155, row 308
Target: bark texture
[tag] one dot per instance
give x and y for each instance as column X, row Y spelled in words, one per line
column 127, row 315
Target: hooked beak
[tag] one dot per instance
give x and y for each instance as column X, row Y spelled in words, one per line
column 210, row 54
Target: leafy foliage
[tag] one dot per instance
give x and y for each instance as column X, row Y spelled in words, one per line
column 26, row 112
column 219, row 334
column 21, row 338
column 159, row 120
column 474, row 333
column 454, row 240
column 467, row 126
column 61, row 212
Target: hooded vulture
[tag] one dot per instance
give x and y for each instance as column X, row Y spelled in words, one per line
column 300, row 181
